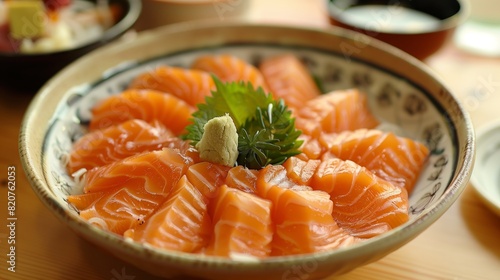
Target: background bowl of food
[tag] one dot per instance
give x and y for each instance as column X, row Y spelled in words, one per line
column 175, row 212
column 420, row 28
column 39, row 38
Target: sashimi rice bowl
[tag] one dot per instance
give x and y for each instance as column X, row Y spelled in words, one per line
column 240, row 150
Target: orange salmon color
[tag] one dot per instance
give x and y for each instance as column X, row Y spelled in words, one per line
column 242, row 178
column 363, row 204
column 335, row 112
column 189, row 85
column 147, row 105
column 311, row 147
column 242, row 224
column 301, row 171
column 157, row 171
column 207, row 176
column 230, row 68
column 138, row 177
column 181, row 223
column 118, row 209
column 288, row 79
column 101, row 147
column 395, row 159
column 303, row 217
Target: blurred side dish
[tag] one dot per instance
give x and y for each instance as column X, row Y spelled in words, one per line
column 38, row 26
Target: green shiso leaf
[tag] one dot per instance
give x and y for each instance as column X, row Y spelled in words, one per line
column 266, row 130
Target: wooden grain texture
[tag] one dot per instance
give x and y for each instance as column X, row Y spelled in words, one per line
column 462, row 244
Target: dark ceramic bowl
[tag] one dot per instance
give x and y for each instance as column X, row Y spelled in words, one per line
column 30, row 71
column 432, row 22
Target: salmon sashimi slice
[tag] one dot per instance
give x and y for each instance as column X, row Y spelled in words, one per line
column 277, row 175
column 363, row 204
column 185, row 149
column 396, row 159
column 229, row 68
column 301, row 171
column 335, row 111
column 101, row 147
column 242, row 224
column 311, row 148
column 207, row 176
column 181, row 223
column 120, row 208
column 288, row 79
column 84, row 201
column 147, row 105
column 187, row 84
column 302, row 217
column 157, row 171
column 242, row 178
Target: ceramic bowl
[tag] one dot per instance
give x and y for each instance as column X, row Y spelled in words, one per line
column 404, row 24
column 31, row 71
column 157, row 13
column 485, row 178
column 402, row 92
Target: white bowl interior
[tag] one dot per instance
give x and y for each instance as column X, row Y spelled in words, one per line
column 403, row 107
column 401, row 92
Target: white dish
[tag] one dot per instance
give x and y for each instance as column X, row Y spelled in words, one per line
column 486, row 175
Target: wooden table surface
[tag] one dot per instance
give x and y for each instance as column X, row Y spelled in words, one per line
column 462, row 244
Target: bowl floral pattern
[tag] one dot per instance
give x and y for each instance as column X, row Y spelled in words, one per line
column 401, row 106
column 406, row 97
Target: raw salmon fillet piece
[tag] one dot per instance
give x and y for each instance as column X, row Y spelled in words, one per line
column 142, row 181
column 181, row 223
column 185, row 149
column 187, row 84
column 363, row 204
column 242, row 178
column 101, row 147
column 311, row 148
column 229, row 68
column 398, row 160
column 157, row 171
column 288, row 79
column 147, row 105
column 242, row 224
column 207, row 176
column 84, row 201
column 301, row 171
column 302, row 217
column 335, row 112
column 118, row 209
